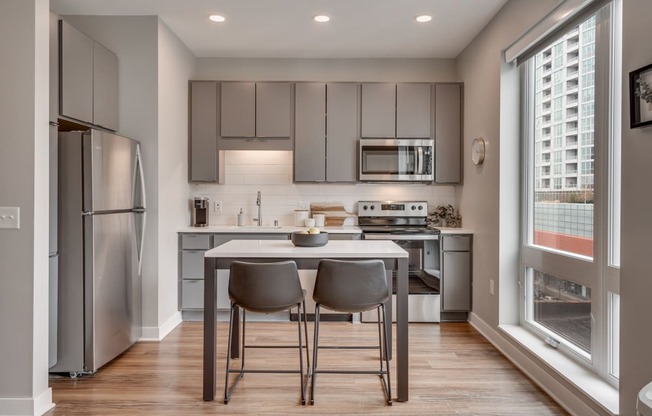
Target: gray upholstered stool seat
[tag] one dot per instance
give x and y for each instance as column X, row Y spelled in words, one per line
column 266, row 288
column 353, row 286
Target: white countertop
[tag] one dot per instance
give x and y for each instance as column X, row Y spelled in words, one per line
column 285, row 248
column 287, row 229
column 253, row 229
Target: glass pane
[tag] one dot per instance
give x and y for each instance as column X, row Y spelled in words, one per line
column 614, row 334
column 563, row 198
column 562, row 307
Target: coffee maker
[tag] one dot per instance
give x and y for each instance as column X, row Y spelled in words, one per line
column 200, row 212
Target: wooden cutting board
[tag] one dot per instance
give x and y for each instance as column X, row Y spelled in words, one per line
column 334, row 213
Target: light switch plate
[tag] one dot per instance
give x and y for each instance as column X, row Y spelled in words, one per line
column 10, row 217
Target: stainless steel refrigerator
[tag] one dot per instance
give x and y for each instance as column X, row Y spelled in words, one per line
column 101, row 221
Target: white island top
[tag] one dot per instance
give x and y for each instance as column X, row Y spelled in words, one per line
column 254, row 229
column 285, row 248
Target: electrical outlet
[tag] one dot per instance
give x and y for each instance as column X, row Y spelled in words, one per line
column 491, row 286
column 218, row 207
column 303, row 205
column 10, row 217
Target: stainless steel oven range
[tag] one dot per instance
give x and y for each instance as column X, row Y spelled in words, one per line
column 404, row 222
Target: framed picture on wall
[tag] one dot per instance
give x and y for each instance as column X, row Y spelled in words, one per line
column 640, row 97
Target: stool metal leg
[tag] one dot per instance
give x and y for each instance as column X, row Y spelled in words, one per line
column 386, row 386
column 227, row 392
column 315, row 348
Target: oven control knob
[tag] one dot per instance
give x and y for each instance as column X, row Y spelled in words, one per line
column 372, row 207
column 420, row 208
column 414, row 207
column 365, row 207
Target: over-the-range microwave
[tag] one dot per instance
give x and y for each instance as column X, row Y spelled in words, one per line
column 396, row 160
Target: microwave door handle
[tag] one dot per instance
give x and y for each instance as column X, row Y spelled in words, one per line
column 419, row 160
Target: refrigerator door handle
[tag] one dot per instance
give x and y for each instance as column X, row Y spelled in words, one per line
column 141, row 210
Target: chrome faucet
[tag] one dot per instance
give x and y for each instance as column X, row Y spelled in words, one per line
column 259, row 220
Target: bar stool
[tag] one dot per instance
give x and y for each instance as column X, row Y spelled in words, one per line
column 352, row 286
column 266, row 288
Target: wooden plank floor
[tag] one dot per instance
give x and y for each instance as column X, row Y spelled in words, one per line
column 453, row 371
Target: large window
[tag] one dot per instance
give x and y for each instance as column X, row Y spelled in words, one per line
column 570, row 242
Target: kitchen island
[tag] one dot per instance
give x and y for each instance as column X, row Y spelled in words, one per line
column 394, row 257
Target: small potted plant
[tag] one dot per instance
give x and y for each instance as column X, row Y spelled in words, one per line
column 444, row 216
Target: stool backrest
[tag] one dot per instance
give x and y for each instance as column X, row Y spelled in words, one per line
column 351, row 286
column 265, row 287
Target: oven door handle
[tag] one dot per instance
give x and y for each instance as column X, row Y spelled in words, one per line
column 400, row 237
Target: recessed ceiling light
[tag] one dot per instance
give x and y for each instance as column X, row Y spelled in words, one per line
column 424, row 18
column 217, row 18
column 322, row 18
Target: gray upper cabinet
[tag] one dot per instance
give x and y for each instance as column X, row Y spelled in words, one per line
column 273, row 109
column 89, row 79
column 238, row 109
column 413, row 111
column 105, row 87
column 342, row 127
column 326, row 132
column 76, row 74
column 251, row 109
column 378, row 116
column 448, row 133
column 203, row 131
column 310, row 132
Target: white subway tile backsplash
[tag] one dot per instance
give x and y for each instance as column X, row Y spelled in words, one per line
column 246, row 172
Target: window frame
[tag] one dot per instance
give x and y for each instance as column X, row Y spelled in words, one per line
column 600, row 273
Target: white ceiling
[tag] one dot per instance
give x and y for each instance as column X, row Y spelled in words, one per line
column 285, row 28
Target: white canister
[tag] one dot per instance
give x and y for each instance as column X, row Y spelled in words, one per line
column 320, row 219
column 309, row 222
column 300, row 216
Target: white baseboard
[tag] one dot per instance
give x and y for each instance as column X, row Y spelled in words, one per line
column 36, row 406
column 157, row 333
column 538, row 372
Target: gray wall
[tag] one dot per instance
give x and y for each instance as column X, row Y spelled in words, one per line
column 176, row 65
column 24, row 44
column 479, row 67
column 380, row 70
column 636, row 223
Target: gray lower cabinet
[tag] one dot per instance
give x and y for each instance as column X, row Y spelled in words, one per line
column 456, row 273
column 326, row 132
column 448, row 133
column 191, row 268
column 203, row 163
column 88, row 79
